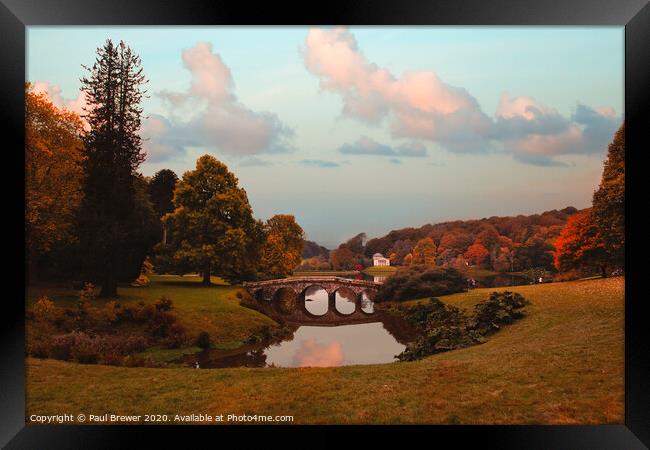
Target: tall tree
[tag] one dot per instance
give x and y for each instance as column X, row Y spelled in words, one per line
column 53, row 173
column 212, row 229
column 580, row 245
column 424, row 252
column 609, row 201
column 113, row 92
column 282, row 250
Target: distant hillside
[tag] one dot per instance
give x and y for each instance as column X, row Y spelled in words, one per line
column 501, row 243
column 312, row 250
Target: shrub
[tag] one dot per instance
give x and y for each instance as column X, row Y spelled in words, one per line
column 500, row 308
column 38, row 349
column 444, row 327
column 44, row 309
column 203, row 340
column 421, row 281
column 111, row 312
column 164, row 304
column 176, row 336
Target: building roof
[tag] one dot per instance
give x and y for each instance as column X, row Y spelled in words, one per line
column 377, row 255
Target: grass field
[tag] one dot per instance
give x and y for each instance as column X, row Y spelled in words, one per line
column 561, row 364
column 214, row 309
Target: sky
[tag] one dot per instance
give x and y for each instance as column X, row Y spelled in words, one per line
column 368, row 129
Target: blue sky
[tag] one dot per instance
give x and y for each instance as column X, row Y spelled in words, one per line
column 370, row 128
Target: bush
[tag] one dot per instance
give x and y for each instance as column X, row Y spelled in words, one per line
column 421, row 281
column 203, row 340
column 444, row 327
column 112, row 359
column 176, row 336
column 501, row 308
column 164, row 304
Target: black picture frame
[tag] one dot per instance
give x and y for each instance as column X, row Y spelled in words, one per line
column 16, row 15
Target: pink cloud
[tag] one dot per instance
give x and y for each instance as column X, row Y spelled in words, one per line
column 420, row 104
column 218, row 119
column 313, row 354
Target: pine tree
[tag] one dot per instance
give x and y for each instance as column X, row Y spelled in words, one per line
column 113, row 91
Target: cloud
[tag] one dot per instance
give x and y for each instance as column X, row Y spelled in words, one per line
column 319, row 163
column 255, row 162
column 313, row 354
column 209, row 115
column 367, row 146
column 419, row 105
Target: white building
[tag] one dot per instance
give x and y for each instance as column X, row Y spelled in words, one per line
column 379, row 260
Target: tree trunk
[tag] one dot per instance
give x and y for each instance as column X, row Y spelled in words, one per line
column 206, row 276
column 109, row 287
column 603, row 271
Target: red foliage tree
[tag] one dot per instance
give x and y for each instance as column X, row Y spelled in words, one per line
column 476, row 253
column 580, row 245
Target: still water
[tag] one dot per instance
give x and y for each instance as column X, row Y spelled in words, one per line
column 321, row 346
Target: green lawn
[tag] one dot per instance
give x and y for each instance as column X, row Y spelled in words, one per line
column 323, row 273
column 214, row 309
column 561, row 364
column 380, row 270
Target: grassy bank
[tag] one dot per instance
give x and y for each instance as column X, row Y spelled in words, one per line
column 214, row 309
column 561, row 364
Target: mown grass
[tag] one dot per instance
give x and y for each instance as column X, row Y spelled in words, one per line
column 214, row 309
column 380, row 270
column 561, row 364
column 322, row 273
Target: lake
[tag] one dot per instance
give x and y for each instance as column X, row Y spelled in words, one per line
column 321, row 346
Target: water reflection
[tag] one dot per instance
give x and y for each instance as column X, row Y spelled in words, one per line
column 367, row 305
column 368, row 343
column 316, row 300
column 345, row 301
column 318, row 346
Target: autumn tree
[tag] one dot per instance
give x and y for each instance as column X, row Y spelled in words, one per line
column 424, row 253
column 343, row 258
column 609, row 201
column 476, row 254
column 408, row 259
column 113, row 92
column 282, row 249
column 53, row 175
column 580, row 245
column 212, row 229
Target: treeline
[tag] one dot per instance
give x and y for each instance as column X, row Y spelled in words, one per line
column 91, row 216
column 502, row 244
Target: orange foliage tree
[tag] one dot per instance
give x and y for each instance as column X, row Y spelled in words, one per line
column 53, row 173
column 424, row 252
column 580, row 245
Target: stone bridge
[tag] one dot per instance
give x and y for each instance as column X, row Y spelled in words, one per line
column 269, row 295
